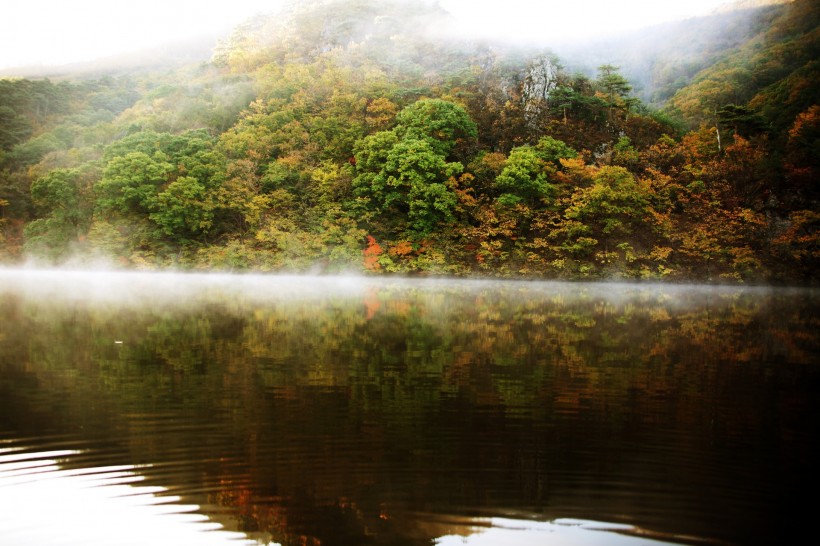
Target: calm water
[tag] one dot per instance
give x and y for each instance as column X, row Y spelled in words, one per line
column 206, row 409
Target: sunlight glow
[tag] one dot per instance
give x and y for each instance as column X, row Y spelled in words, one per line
column 547, row 22
column 54, row 32
column 58, row 32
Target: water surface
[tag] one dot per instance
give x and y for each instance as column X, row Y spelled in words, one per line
column 144, row 408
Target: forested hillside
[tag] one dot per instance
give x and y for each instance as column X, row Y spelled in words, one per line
column 662, row 59
column 349, row 135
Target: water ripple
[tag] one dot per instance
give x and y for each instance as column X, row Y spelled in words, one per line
column 46, row 504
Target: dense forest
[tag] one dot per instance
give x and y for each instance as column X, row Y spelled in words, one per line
column 340, row 136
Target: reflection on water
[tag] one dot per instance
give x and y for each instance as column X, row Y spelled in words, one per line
column 561, row 532
column 325, row 410
column 42, row 504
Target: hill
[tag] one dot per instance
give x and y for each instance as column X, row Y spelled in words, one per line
column 662, row 59
column 348, row 135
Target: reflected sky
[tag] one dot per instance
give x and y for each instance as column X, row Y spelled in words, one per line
column 43, row 504
column 560, row 532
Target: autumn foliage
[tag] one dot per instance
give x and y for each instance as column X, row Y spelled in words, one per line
column 371, row 254
column 284, row 155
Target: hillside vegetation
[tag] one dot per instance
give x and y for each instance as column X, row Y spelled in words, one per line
column 340, row 136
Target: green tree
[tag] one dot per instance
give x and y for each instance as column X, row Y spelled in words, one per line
column 58, row 198
column 445, row 125
column 615, row 89
column 610, row 224
column 14, row 128
column 524, row 178
column 612, row 83
column 553, row 150
column 742, row 120
column 529, row 170
column 405, row 181
column 130, row 183
column 183, row 208
column 404, row 176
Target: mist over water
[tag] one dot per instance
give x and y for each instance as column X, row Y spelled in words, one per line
column 156, row 287
column 342, row 410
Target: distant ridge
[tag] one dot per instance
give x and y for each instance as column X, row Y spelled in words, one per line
column 748, row 4
column 165, row 56
column 662, row 59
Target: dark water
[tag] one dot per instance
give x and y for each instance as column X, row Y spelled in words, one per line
column 195, row 409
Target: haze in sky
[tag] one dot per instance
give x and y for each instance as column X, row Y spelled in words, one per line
column 55, row 32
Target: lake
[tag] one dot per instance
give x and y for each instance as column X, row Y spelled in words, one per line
column 160, row 408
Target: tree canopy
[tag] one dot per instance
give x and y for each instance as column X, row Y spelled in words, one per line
column 338, row 136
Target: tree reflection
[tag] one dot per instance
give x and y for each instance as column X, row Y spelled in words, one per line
column 353, row 418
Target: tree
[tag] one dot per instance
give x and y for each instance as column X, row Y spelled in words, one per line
column 803, row 155
column 446, row 126
column 612, row 83
column 742, row 120
column 527, row 173
column 183, row 208
column 130, row 183
column 63, row 213
column 14, row 128
column 405, row 181
column 173, row 184
column 610, row 224
column 524, row 178
column 615, row 89
column 403, row 175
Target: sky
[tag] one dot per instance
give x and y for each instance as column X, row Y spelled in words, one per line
column 55, row 32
